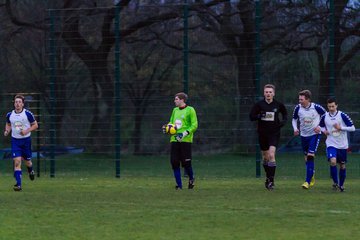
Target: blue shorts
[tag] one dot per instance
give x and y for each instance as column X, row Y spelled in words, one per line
column 21, row 148
column 310, row 144
column 339, row 154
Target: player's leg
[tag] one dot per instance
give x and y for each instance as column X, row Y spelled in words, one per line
column 187, row 157
column 334, row 173
column 264, row 147
column 175, row 155
column 265, row 162
column 310, row 165
column 331, row 155
column 342, row 159
column 16, row 151
column 313, row 143
column 305, row 146
column 342, row 176
column 312, row 149
column 27, row 157
column 30, row 170
column 17, row 173
column 271, row 166
column 273, row 141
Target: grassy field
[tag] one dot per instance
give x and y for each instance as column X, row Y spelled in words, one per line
column 227, row 203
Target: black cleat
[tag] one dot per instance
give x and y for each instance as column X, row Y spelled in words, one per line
column 335, row 187
column 191, row 183
column 17, row 188
column 177, row 187
column 270, row 186
column 32, row 175
column 342, row 189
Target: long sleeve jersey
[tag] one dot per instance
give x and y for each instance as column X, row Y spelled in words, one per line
column 185, row 119
column 267, row 115
column 309, row 118
column 337, row 138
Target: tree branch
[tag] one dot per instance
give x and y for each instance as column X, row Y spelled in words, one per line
column 349, row 55
column 16, row 21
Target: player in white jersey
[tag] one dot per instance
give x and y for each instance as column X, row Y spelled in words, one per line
column 308, row 115
column 335, row 124
column 20, row 122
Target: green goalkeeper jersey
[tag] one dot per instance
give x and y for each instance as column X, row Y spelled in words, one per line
column 185, row 119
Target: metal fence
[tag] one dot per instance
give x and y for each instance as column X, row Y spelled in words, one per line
column 112, row 74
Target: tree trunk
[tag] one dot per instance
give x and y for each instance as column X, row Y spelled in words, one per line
column 137, row 131
column 101, row 134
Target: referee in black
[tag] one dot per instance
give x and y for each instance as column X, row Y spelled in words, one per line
column 266, row 113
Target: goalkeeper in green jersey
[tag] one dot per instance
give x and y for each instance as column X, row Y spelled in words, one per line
column 185, row 119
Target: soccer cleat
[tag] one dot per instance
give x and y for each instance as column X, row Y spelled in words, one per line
column 312, row 182
column 305, row 185
column 270, row 186
column 177, row 187
column 335, row 187
column 342, row 189
column 191, row 183
column 32, row 175
column 17, row 188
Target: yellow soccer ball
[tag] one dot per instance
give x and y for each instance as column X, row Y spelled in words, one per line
column 170, row 129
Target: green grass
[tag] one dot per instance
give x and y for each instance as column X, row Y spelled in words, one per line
column 227, row 203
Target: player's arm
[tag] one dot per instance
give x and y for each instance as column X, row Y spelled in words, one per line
column 7, row 125
column 255, row 113
column 7, row 129
column 349, row 125
column 294, row 121
column 320, row 110
column 33, row 126
column 193, row 121
column 323, row 126
column 284, row 115
column 170, row 122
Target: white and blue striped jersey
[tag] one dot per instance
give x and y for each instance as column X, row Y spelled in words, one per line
column 337, row 138
column 20, row 121
column 308, row 117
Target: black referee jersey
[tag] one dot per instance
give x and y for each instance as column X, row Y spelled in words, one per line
column 267, row 115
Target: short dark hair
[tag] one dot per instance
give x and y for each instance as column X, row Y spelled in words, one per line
column 305, row 93
column 269, row 86
column 182, row 95
column 20, row 96
column 332, row 100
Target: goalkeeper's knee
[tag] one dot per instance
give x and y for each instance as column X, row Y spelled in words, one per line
column 187, row 163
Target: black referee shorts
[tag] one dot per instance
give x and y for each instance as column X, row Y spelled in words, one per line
column 268, row 139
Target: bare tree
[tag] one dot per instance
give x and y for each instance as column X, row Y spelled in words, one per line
column 93, row 54
column 147, row 71
column 305, row 27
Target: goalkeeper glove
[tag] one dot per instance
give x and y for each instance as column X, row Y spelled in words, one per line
column 179, row 137
column 164, row 128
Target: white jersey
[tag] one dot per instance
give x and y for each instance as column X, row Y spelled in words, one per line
column 337, row 138
column 308, row 117
column 20, row 121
